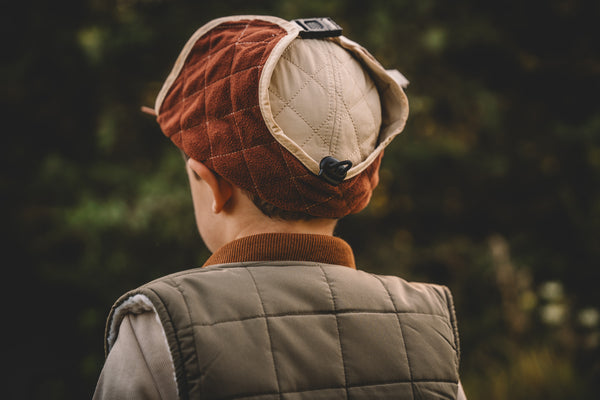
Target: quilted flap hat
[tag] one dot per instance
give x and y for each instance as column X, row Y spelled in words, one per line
column 290, row 111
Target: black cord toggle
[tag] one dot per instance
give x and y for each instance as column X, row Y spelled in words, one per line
column 334, row 171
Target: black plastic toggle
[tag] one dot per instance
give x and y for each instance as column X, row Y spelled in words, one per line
column 334, row 171
column 317, row 28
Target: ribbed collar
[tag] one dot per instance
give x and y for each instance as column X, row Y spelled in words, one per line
column 285, row 247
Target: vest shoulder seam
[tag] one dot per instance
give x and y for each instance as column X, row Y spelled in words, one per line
column 248, row 264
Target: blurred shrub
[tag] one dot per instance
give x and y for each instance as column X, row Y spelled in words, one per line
column 493, row 188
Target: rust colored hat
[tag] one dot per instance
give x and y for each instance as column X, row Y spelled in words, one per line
column 290, row 111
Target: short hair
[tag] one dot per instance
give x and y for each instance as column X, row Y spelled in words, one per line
column 275, row 212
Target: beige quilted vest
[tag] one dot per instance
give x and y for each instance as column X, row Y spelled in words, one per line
column 301, row 330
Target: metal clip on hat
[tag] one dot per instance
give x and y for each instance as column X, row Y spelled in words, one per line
column 273, row 105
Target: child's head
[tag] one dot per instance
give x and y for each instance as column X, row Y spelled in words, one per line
column 298, row 124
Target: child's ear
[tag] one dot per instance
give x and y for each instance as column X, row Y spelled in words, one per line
column 221, row 189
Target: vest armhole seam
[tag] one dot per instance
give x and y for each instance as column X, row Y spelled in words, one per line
column 452, row 314
column 183, row 391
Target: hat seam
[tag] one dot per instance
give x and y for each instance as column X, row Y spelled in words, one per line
column 236, row 24
column 337, row 117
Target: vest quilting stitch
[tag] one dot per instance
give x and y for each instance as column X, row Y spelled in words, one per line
column 303, row 330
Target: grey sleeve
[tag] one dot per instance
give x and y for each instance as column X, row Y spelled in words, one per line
column 139, row 365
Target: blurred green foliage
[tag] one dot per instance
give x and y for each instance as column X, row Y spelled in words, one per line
column 493, row 189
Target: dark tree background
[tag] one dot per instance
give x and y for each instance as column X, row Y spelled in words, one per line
column 493, row 189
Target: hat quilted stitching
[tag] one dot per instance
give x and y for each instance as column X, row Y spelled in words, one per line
column 364, row 94
column 234, row 113
column 320, row 68
column 294, row 179
column 354, row 130
column 310, row 76
column 285, row 56
column 217, row 89
column 206, row 86
column 289, row 103
column 394, row 110
column 315, row 130
column 244, row 150
column 209, row 85
column 361, row 102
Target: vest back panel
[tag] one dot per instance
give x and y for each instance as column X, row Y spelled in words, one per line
column 293, row 330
